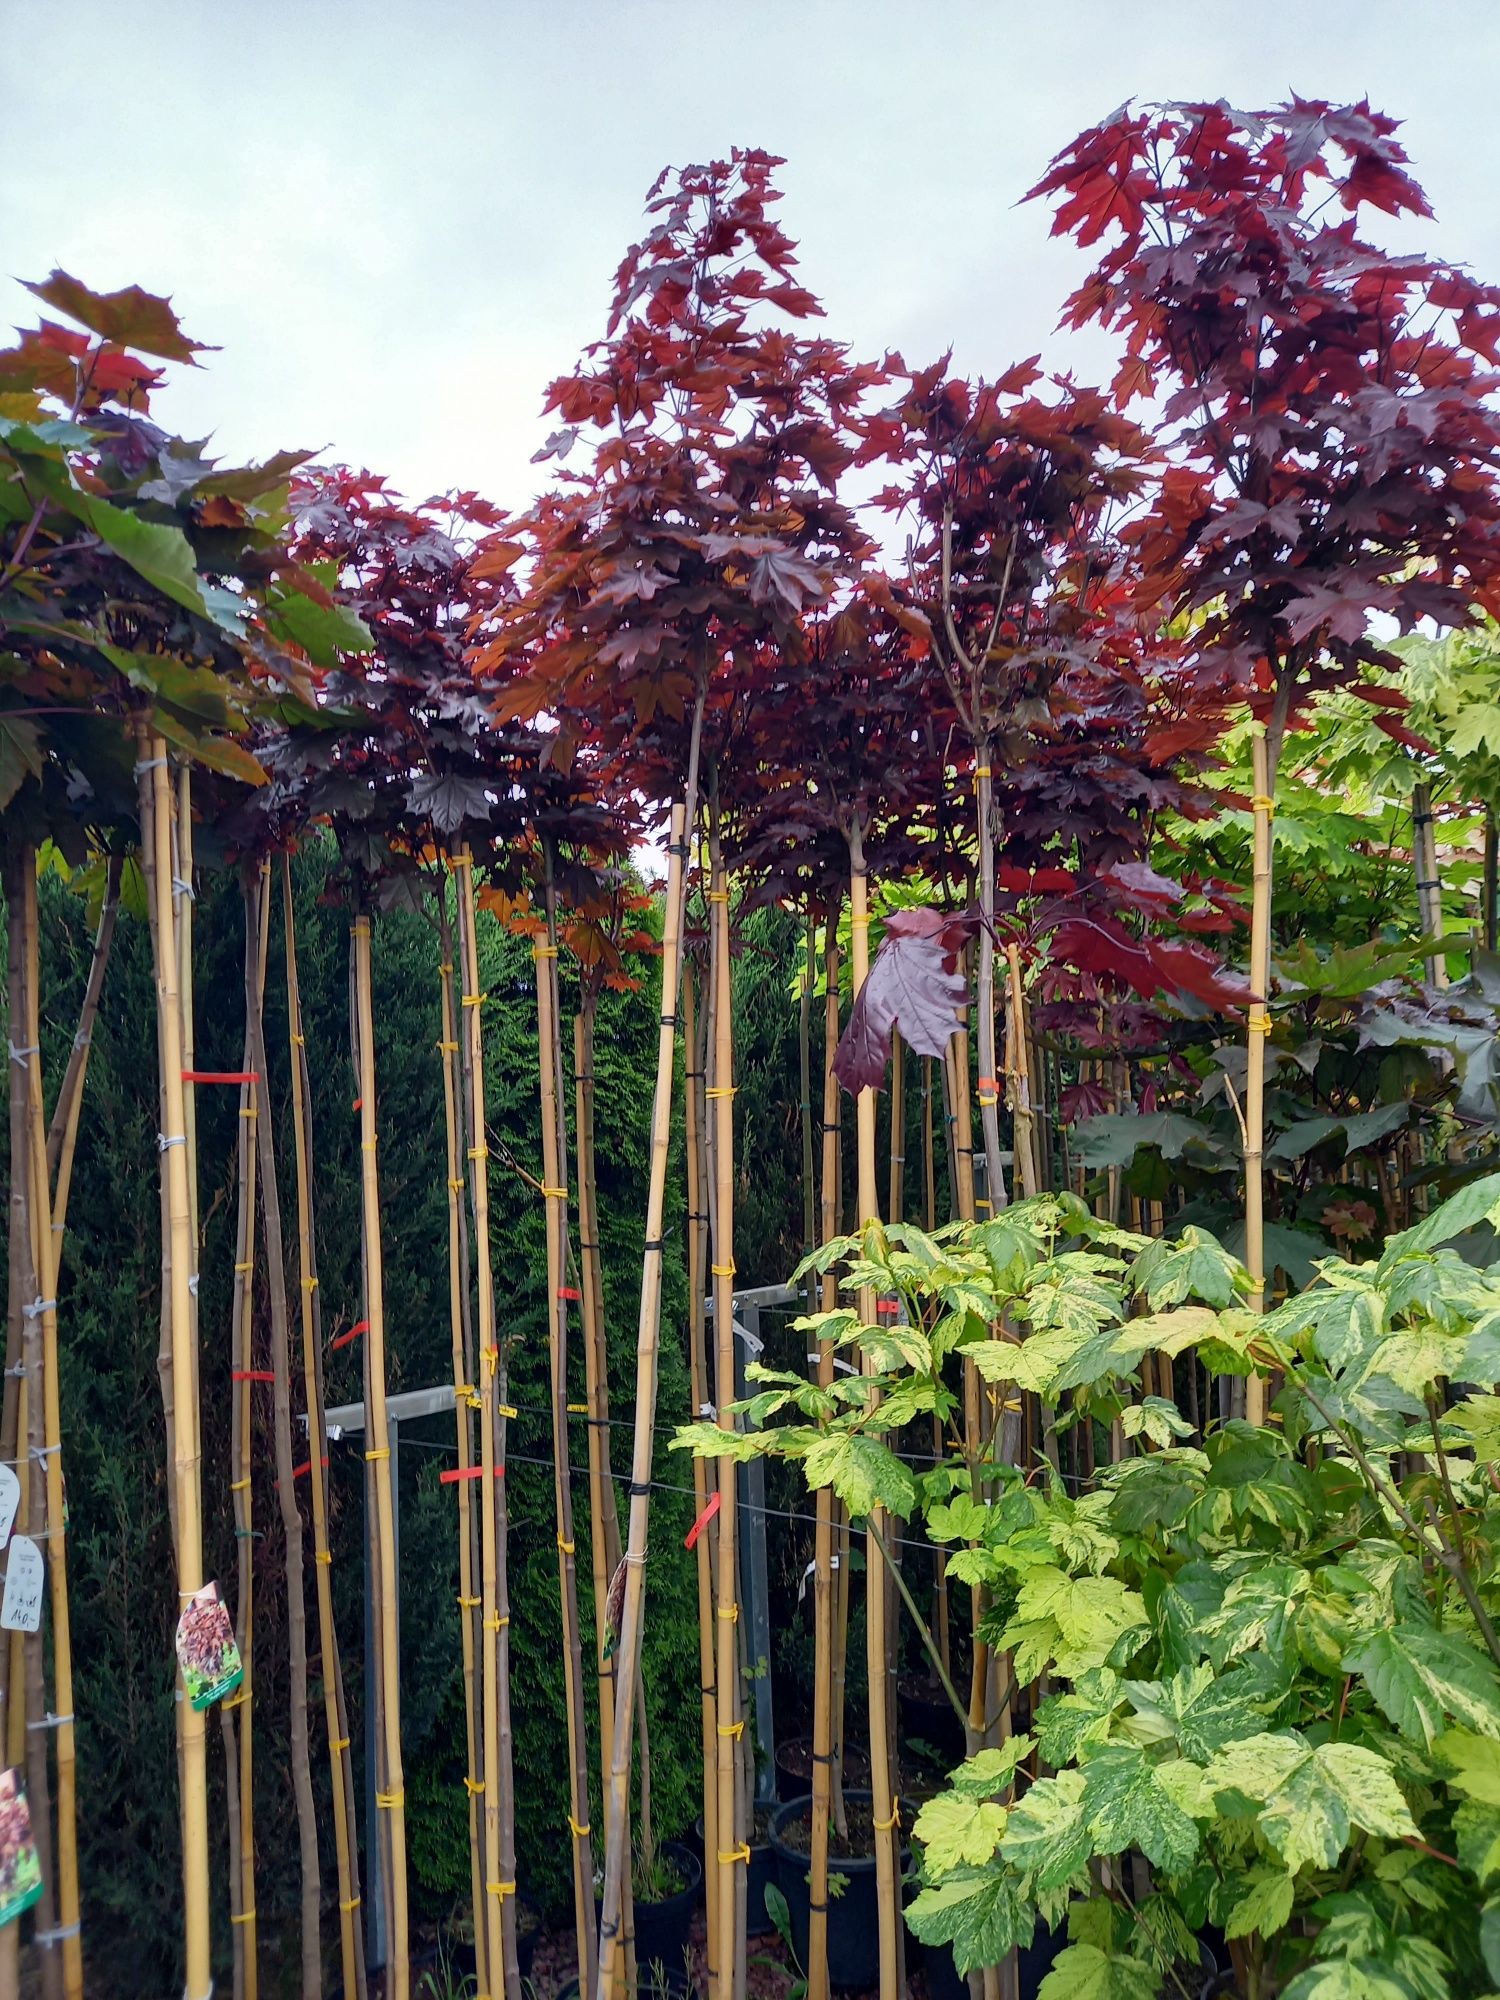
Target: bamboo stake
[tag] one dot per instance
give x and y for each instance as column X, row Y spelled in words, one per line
column 603, row 1515
column 1019, row 1065
column 62, row 1134
column 48, row 1246
column 186, row 1468
column 732, row 1855
column 236, row 1712
column 335, row 1712
column 827, row 1714
column 697, row 1255
column 896, row 1193
column 1262, row 807
column 465, row 1396
column 989, row 1075
column 257, row 906
column 1428, row 881
column 390, row 1796
column 648, row 1342
column 12, row 1694
column 884, row 1806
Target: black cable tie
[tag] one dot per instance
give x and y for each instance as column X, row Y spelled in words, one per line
column 654, row 1243
column 599, row 1423
column 712, row 1690
column 825, row 1757
column 638, row 1490
column 589, row 1246
column 669, row 1020
column 820, row 1909
column 679, row 847
column 609, row 1930
column 697, row 1215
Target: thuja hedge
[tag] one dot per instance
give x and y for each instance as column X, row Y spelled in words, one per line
column 121, row 1573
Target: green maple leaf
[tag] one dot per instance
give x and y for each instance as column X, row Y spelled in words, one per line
column 979, row 1913
column 1063, row 1723
column 1479, row 1418
column 1084, row 1972
column 1201, row 1710
column 1473, row 1764
column 1155, row 1418
column 1476, row 1828
column 990, row 1771
column 1074, row 1623
column 862, row 1471
column 1257, row 1610
column 1350, row 1979
column 1046, row 1836
column 1420, row 1677
column 957, row 1831
column 1337, row 1786
column 1263, row 1904
column 1194, row 1266
column 1127, row 1807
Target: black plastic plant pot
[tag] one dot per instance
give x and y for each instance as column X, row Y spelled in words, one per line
column 927, row 1717
column 946, row 1982
column 794, row 1767
column 853, row 1916
column 676, row 1986
column 663, row 1931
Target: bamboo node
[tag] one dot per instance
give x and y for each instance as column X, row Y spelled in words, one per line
column 740, row 1853
column 391, row 1801
column 380, row 1451
column 579, row 1832
column 889, row 1825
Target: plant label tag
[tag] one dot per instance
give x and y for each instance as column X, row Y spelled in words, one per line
column 10, row 1500
column 206, row 1651
column 25, row 1574
column 20, row 1869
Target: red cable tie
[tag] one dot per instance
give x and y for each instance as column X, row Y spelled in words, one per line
column 458, row 1472
column 360, row 1326
column 690, row 1539
column 221, row 1076
column 251, row 1375
column 358, row 1103
column 569, row 1292
column 301, row 1471
column 888, row 1308
column 987, row 1083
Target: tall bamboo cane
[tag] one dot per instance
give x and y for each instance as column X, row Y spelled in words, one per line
column 884, row 1807
column 18, row 1259
column 555, row 1192
column 335, row 1711
column 465, row 1396
column 62, row 1134
column 495, row 1628
column 236, row 1712
column 1262, row 806
column 828, row 1718
column 186, row 1472
column 648, row 1346
column 694, row 1079
column 48, row 1246
column 604, row 1519
column 390, row 1795
column 257, row 906
column 1428, row 881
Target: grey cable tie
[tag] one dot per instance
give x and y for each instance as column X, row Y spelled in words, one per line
column 181, row 888
column 707, row 1410
column 49, row 1938
column 50, row 1722
column 150, row 764
column 37, row 1307
column 15, row 1374
column 82, row 1041
column 19, row 1056
column 163, row 1142
column 193, row 1284
column 40, row 1451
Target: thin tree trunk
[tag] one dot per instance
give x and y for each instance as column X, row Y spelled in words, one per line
column 1428, row 881
column 335, row 1711
column 62, row 1134
column 984, row 998
column 390, row 1792
column 1262, row 806
column 1491, row 914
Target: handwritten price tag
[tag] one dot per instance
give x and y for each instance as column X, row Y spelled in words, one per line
column 10, row 1500
column 25, row 1574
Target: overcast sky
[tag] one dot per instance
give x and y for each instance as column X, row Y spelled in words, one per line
column 398, row 222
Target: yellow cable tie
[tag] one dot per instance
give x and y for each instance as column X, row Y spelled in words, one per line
column 473, row 999
column 501, row 1889
column 239, row 1486
column 462, row 1391
column 740, row 1853
column 243, row 1917
column 469, row 1603
column 339, row 1743
column 723, row 1270
column 863, row 922
column 496, row 1624
column 249, row 1266
column 390, row 1801
column 299, row 1041
column 478, row 1153
column 505, row 1410
column 352, row 1904
column 324, row 1556
column 448, row 1048
column 1260, row 1024
column 1263, row 802
column 446, row 965
column 555, row 1194
column 360, row 927
column 473, row 1786
column 457, row 1187
column 367, row 1145
column 248, row 1111
column 732, row 1614
column 492, row 1359
column 309, row 1284
column 544, row 951
column 234, row 1700
column 718, row 896
column 889, row 1825
column 578, row 1409
column 732, row 1728
column 460, row 860
column 566, row 1547
column 982, row 771
column 579, row 1832
column 723, row 1090
column 380, row 1451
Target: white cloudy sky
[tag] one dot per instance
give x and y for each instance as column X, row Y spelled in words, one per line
column 398, row 221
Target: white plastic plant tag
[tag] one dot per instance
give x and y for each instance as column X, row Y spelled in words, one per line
column 25, row 1572
column 10, row 1500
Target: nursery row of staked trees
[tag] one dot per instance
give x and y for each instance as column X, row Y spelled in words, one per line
column 991, row 743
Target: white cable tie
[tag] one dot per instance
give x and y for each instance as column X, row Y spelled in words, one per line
column 37, row 1307
column 193, row 1284
column 708, row 1410
column 163, row 1142
column 150, row 764
column 844, row 1367
column 49, row 1938
column 41, row 1451
column 802, row 1586
column 15, row 1374
column 50, row 1722
column 82, row 1041
column 753, row 1342
column 19, row 1056
column 181, row 888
